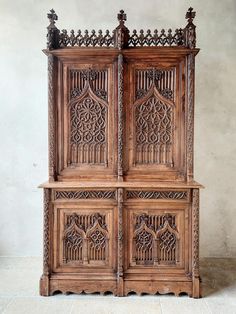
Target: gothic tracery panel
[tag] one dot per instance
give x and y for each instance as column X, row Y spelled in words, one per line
column 153, row 128
column 155, row 240
column 88, row 108
column 85, row 239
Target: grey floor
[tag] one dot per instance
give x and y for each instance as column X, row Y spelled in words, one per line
column 19, row 293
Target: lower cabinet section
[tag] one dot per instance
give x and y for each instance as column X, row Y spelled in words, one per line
column 121, row 241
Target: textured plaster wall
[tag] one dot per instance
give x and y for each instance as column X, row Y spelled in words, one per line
column 23, row 115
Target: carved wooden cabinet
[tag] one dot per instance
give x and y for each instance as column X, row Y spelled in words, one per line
column 121, row 208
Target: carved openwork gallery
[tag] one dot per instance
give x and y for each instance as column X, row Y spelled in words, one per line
column 121, row 208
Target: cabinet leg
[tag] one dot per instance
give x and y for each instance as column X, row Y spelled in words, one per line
column 196, row 288
column 120, row 287
column 44, row 286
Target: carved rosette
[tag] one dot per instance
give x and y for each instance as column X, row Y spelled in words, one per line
column 46, row 243
column 120, row 115
column 195, row 233
column 190, row 116
column 51, row 119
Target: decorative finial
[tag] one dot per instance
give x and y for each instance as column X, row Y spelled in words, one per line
column 190, row 15
column 121, row 32
column 52, row 18
column 190, row 29
column 121, row 16
column 53, row 31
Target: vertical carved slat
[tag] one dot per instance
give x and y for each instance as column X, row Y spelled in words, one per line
column 120, row 268
column 190, row 116
column 51, row 119
column 46, row 236
column 120, row 115
column 195, row 232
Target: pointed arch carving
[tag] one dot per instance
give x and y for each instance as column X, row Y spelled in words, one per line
column 168, row 243
column 144, row 243
column 86, row 239
column 74, row 236
column 154, row 124
column 98, row 240
column 88, row 128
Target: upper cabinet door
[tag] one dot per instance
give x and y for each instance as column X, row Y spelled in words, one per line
column 86, row 120
column 155, row 122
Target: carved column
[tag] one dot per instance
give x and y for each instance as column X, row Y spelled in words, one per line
column 44, row 282
column 120, row 115
column 51, row 118
column 195, row 243
column 190, row 115
column 120, row 267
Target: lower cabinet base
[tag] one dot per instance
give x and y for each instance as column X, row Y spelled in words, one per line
column 49, row 286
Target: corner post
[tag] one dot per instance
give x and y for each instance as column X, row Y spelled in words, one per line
column 195, row 244
column 44, row 280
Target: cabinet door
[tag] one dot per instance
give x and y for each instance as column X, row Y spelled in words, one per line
column 84, row 233
column 155, row 121
column 156, row 232
column 86, row 119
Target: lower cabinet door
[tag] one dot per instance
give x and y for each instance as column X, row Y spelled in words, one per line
column 156, row 238
column 83, row 237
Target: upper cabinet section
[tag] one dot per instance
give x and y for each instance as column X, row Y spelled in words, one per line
column 121, row 103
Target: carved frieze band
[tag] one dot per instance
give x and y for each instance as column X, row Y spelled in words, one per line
column 120, row 37
column 195, row 232
column 46, row 237
column 120, row 233
column 190, row 116
column 120, row 114
column 169, row 195
column 51, row 119
column 86, row 194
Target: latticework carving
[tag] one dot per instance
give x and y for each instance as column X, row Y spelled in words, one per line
column 85, row 238
column 153, row 129
column 88, row 116
column 86, row 194
column 167, row 246
column 169, row 195
column 88, row 131
column 155, row 239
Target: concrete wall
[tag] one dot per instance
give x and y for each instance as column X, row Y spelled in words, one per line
column 23, row 101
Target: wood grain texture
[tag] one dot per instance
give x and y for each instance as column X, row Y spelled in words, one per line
column 121, row 207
